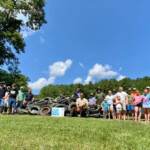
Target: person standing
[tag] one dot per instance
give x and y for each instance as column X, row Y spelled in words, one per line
column 2, row 96
column 82, row 106
column 21, row 97
column 130, row 106
column 99, row 98
column 138, row 105
column 13, row 93
column 134, row 91
column 6, row 99
column 124, row 100
column 29, row 96
column 146, row 105
column 105, row 106
column 148, row 89
column 114, row 101
column 119, row 106
column 77, row 93
column 110, row 97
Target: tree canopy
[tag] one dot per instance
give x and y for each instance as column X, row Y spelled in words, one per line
column 105, row 85
column 10, row 78
column 11, row 39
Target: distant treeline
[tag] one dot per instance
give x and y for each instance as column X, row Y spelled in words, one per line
column 105, row 85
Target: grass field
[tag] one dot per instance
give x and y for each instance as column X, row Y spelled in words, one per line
column 45, row 133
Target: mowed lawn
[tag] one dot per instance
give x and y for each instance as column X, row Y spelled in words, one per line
column 45, row 133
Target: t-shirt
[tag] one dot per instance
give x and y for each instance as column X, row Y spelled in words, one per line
column 2, row 92
column 82, row 102
column 105, row 106
column 99, row 97
column 110, row 99
column 22, row 96
column 29, row 97
column 13, row 93
column 122, row 96
column 130, row 99
column 137, row 99
column 146, row 101
column 118, row 105
column 92, row 100
column 77, row 94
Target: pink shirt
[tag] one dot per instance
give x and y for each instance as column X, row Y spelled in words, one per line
column 137, row 99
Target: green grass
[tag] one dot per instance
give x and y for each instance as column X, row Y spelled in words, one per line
column 45, row 133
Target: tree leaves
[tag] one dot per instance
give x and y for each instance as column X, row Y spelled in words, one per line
column 11, row 40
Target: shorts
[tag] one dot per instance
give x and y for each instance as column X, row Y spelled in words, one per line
column 124, row 106
column 119, row 108
column 12, row 103
column 130, row 107
column 110, row 108
column 139, row 105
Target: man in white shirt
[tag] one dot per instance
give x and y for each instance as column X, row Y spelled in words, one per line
column 124, row 100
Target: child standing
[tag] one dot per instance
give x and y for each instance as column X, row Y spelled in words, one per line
column 105, row 108
column 119, row 106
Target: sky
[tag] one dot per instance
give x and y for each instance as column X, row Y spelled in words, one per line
column 88, row 40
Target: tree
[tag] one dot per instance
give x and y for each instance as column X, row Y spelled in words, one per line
column 9, row 78
column 11, row 39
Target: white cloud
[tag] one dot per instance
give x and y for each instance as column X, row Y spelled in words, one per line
column 40, row 83
column 121, row 77
column 57, row 69
column 27, row 32
column 77, row 80
column 81, row 65
column 20, row 16
column 100, row 72
column 88, row 79
column 42, row 40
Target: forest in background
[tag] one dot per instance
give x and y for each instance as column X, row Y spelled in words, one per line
column 105, row 85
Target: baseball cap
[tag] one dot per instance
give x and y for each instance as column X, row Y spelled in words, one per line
column 129, row 89
column 148, row 87
column 134, row 88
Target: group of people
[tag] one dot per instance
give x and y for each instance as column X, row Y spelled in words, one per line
column 11, row 98
column 118, row 105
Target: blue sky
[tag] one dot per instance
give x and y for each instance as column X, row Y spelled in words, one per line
column 88, row 40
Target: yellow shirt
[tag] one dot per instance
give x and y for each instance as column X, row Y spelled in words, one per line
column 81, row 102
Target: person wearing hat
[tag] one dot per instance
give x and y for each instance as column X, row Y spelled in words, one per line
column 92, row 100
column 2, row 96
column 130, row 106
column 13, row 93
column 148, row 89
column 99, row 98
column 21, row 97
column 134, row 91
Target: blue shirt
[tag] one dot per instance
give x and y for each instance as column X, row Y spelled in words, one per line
column 77, row 94
column 92, row 100
column 105, row 106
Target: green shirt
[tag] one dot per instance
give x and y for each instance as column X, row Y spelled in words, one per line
column 99, row 97
column 130, row 99
column 22, row 96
